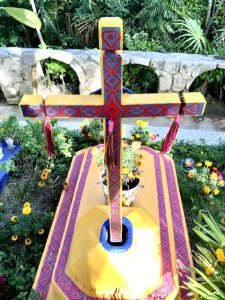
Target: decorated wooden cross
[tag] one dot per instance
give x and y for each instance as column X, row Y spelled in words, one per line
column 112, row 105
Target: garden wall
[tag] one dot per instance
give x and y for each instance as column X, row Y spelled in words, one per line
column 21, row 72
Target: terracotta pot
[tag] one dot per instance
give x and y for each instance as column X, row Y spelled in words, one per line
column 129, row 194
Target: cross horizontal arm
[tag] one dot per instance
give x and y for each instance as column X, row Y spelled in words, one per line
column 63, row 106
column 163, row 104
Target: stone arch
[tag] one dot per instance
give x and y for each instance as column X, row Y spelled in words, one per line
column 140, row 78
column 211, row 84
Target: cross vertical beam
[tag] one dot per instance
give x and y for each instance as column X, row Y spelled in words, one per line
column 110, row 41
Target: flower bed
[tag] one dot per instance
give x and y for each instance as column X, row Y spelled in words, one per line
column 30, row 198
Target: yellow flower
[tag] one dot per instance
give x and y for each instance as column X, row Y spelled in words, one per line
column 199, row 164
column 131, row 137
column 220, row 255
column 94, row 151
column 27, row 241
column 150, row 134
column 208, row 163
column 14, row 219
column 138, row 176
column 138, row 135
column 125, row 171
column 220, row 182
column 89, row 134
column 45, row 171
column 41, row 183
column 188, row 163
column 44, row 176
column 139, row 164
column 26, row 204
column 206, row 190
column 139, row 123
column 216, row 192
column 222, row 221
column 209, row 270
column 191, row 174
column 135, row 145
column 144, row 124
column 214, row 176
column 14, row 237
column 81, row 126
column 126, row 202
column 140, row 157
column 130, row 175
column 41, row 231
column 26, row 210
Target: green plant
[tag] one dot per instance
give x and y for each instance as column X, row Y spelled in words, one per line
column 92, row 129
column 140, row 79
column 210, row 282
column 141, row 133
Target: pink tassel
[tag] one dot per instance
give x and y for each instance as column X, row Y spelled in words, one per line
column 50, row 148
column 171, row 135
column 110, row 157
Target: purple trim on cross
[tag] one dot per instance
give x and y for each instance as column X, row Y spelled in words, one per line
column 51, row 255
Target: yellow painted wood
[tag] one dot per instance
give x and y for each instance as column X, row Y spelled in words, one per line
column 162, row 98
column 31, row 100
column 110, row 22
column 74, row 100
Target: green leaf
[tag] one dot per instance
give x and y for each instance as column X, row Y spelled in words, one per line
column 206, row 238
column 24, row 16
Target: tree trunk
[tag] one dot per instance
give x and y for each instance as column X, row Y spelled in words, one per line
column 215, row 14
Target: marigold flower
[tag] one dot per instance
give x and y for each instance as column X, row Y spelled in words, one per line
column 220, row 255
column 94, row 151
column 209, row 270
column 144, row 124
column 131, row 137
column 126, row 202
column 216, row 192
column 139, row 164
column 26, row 210
column 27, row 241
column 135, row 145
column 44, row 176
column 14, row 219
column 26, row 204
column 14, row 237
column 139, row 122
column 125, row 171
column 45, row 171
column 213, row 176
column 206, row 190
column 191, row 174
column 208, row 163
column 41, row 183
column 65, row 185
column 150, row 134
column 188, row 163
column 130, row 175
column 199, row 164
column 138, row 135
column 41, row 231
column 220, row 182
column 138, row 176
column 222, row 221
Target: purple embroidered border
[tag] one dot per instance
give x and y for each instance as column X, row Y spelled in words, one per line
column 62, row 280
column 168, row 284
column 178, row 226
column 50, row 258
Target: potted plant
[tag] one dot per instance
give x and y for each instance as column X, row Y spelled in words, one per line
column 131, row 171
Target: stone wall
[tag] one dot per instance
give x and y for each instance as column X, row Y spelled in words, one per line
column 21, row 72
